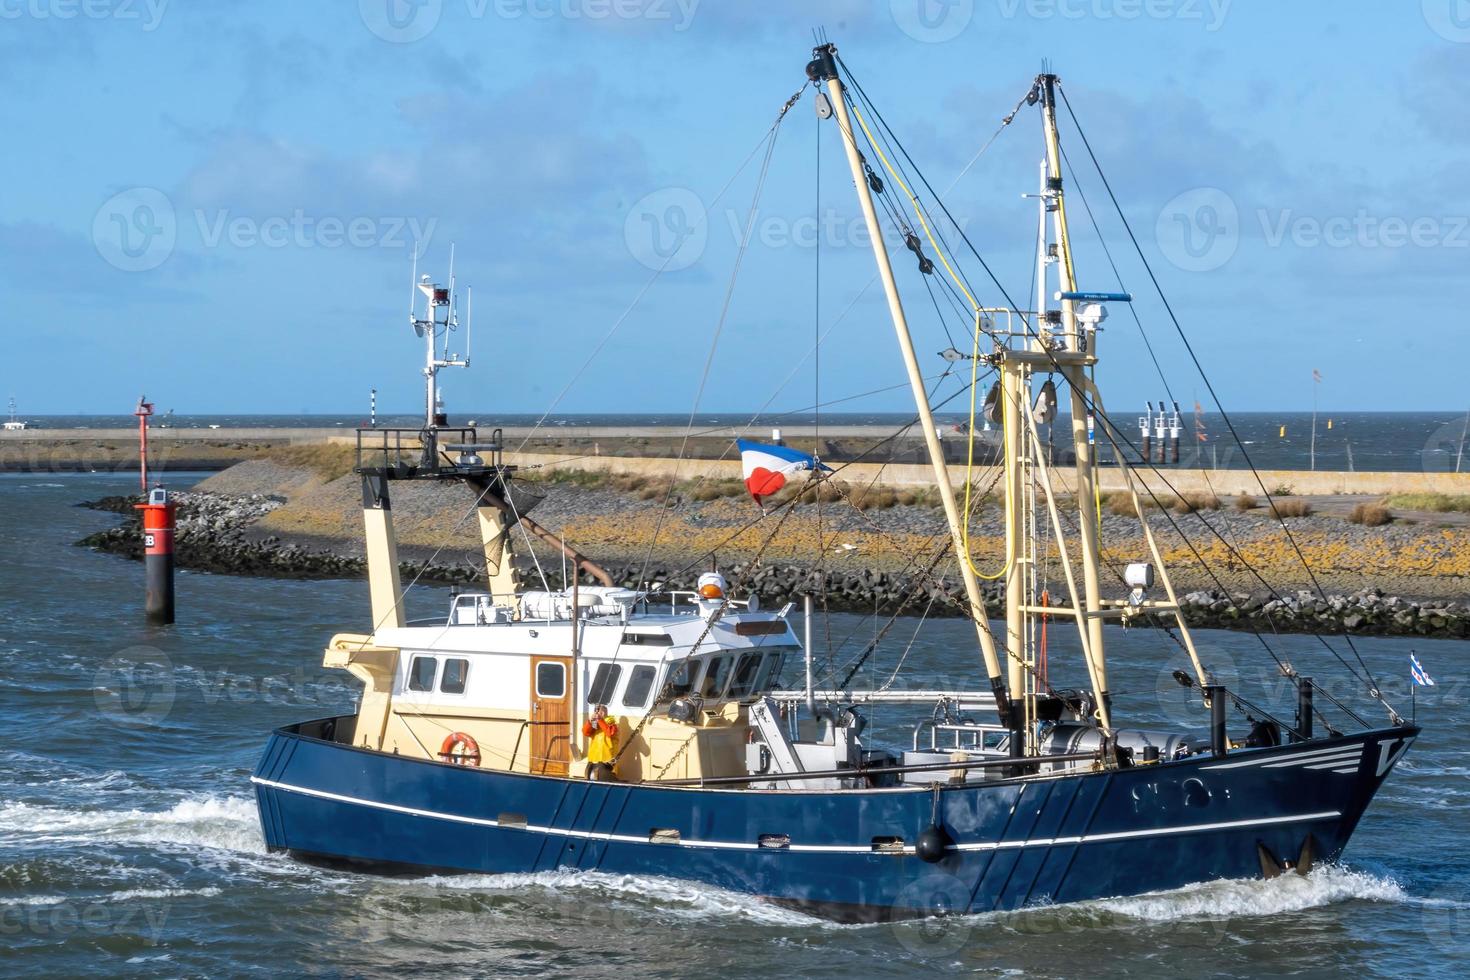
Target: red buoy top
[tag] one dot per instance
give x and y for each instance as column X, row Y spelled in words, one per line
column 158, row 523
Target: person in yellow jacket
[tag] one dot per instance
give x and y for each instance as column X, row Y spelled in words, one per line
column 602, row 745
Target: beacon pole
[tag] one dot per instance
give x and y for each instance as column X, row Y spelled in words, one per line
column 143, row 411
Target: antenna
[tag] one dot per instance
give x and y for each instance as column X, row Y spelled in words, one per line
column 451, row 320
column 413, row 284
column 469, row 321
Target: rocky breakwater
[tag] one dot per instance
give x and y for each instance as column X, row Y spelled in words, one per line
column 216, row 533
column 1367, row 612
column 211, row 536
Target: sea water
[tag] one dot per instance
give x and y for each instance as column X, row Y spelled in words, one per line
column 1363, row 441
column 129, row 844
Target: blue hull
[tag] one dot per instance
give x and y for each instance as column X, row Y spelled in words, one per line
column 1015, row 843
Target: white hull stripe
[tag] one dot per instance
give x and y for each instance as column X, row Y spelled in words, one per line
column 1277, row 761
column 829, row 848
column 1160, row 832
column 1333, row 764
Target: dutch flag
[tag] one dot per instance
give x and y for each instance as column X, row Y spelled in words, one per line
column 766, row 467
column 1417, row 671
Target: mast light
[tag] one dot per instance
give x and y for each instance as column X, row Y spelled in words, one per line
column 711, row 586
column 1139, row 577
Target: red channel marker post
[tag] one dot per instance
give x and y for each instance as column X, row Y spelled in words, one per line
column 158, row 555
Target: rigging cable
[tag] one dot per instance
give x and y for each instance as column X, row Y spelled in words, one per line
column 1374, row 690
column 720, row 323
column 1372, row 686
column 961, row 284
column 648, row 283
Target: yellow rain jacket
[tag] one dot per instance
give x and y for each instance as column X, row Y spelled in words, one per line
column 603, row 746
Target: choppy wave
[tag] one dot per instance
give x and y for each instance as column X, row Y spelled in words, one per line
column 1239, row 898
column 673, row 897
column 155, row 893
column 224, row 823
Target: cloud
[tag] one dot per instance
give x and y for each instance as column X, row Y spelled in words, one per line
column 526, row 174
column 1437, row 93
column 47, row 262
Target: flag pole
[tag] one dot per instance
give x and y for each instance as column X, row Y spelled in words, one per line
column 1312, row 453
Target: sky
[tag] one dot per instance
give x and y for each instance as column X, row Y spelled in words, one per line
column 218, row 203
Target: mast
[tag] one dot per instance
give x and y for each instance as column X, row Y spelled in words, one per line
column 1081, row 342
column 823, row 68
column 441, row 316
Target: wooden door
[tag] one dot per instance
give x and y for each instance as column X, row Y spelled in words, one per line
column 551, row 715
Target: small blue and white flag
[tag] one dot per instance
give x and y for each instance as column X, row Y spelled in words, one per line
column 1417, row 671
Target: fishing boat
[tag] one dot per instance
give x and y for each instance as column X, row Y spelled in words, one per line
column 469, row 749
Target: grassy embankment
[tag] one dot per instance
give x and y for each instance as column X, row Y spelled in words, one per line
column 1393, row 541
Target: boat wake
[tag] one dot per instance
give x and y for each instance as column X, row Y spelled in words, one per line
column 1215, row 901
column 1253, row 898
column 228, row 823
column 671, row 897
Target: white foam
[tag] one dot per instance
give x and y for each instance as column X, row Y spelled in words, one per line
column 1257, row 897
column 35, row 900
column 228, row 824
column 156, row 893
column 683, row 899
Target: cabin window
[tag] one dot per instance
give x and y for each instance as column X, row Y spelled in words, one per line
column 456, row 672
column 604, row 682
column 715, row 677
column 421, row 673
column 681, row 678
column 746, row 671
column 640, row 686
column 770, row 672
column 551, row 680
column 648, row 639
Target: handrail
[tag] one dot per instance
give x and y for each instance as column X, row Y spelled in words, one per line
column 1007, row 762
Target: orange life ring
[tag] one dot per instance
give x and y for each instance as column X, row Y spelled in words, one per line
column 470, row 754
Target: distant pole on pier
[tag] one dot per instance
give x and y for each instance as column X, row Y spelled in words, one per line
column 373, row 408
column 1460, row 452
column 1312, row 452
column 144, row 409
